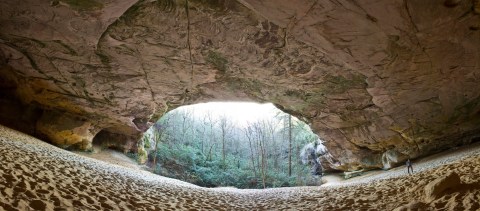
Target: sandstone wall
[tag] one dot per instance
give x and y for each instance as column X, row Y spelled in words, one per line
column 379, row 81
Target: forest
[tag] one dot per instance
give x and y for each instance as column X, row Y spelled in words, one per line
column 213, row 149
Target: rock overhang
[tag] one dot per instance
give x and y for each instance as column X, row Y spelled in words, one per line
column 379, row 81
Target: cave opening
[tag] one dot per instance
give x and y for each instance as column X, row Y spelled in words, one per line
column 244, row 145
column 111, row 138
column 102, row 141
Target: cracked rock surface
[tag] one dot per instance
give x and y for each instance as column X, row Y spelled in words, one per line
column 379, row 81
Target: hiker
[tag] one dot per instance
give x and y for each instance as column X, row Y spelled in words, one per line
column 409, row 166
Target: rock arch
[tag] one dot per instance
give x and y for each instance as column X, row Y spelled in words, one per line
column 373, row 79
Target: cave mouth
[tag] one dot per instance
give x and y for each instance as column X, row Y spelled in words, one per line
column 104, row 140
column 225, row 144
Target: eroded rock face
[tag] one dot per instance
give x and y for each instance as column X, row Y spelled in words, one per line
column 66, row 130
column 116, row 140
column 378, row 81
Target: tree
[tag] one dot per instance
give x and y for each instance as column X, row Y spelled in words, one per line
column 207, row 150
column 187, row 122
column 225, row 127
column 250, row 137
column 159, row 129
column 212, row 138
column 261, row 138
column 289, row 145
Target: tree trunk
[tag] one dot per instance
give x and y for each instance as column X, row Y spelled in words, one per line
column 209, row 157
column 289, row 145
column 223, row 147
column 252, row 154
column 202, row 143
column 262, row 136
column 158, row 135
column 155, row 156
column 262, row 150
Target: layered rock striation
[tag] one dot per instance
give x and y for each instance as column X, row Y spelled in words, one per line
column 379, row 81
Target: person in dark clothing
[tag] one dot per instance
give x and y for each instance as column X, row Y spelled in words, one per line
column 409, row 166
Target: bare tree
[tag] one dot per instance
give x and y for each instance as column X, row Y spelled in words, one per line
column 261, row 137
column 249, row 133
column 160, row 129
column 225, row 127
column 186, row 123
column 289, row 145
column 203, row 129
column 212, row 138
column 271, row 127
column 268, row 146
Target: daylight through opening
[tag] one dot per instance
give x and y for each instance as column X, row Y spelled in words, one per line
column 245, row 145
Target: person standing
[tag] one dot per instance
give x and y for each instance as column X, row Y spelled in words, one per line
column 409, row 166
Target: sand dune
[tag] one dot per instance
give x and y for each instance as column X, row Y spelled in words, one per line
column 38, row 176
column 112, row 157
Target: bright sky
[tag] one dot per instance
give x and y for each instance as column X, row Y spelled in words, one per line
column 240, row 112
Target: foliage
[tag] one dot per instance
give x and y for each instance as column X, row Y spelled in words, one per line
column 146, row 141
column 131, row 155
column 141, row 153
column 340, row 84
column 214, row 151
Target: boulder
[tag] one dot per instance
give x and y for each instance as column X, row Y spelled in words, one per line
column 436, row 188
column 391, row 158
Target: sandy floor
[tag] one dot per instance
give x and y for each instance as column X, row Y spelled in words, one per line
column 38, row 176
column 111, row 156
column 419, row 165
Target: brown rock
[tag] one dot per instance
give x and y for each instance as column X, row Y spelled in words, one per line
column 66, row 130
column 413, row 206
column 369, row 77
column 437, row 187
column 476, row 6
column 115, row 139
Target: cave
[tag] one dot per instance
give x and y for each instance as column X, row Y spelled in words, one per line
column 380, row 82
column 393, row 95
column 114, row 140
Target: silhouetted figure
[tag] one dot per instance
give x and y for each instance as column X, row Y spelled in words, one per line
column 409, row 166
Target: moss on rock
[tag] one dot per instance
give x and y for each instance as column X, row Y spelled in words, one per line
column 340, row 84
column 217, row 60
column 84, row 4
column 142, row 154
